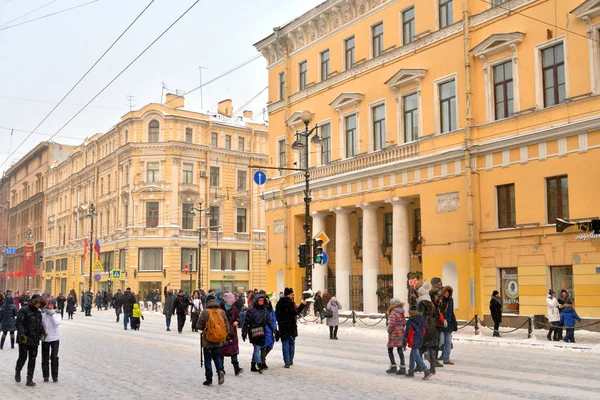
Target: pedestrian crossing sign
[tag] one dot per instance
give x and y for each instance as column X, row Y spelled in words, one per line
column 98, row 266
column 116, row 274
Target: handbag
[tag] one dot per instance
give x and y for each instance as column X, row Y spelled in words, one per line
column 257, row 332
column 327, row 314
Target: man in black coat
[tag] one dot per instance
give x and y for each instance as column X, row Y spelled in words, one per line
column 116, row 303
column 496, row 311
column 60, row 304
column 29, row 334
column 286, row 313
column 127, row 300
column 319, row 306
column 180, row 307
column 24, row 299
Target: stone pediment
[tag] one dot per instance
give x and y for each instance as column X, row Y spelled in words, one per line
column 151, row 189
column 406, row 76
column 347, row 99
column 496, row 43
column 588, row 9
column 295, row 119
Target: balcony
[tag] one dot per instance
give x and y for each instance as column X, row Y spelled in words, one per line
column 242, row 236
column 366, row 160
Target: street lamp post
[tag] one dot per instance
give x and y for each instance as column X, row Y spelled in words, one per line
column 303, row 145
column 91, row 213
column 28, row 236
column 193, row 212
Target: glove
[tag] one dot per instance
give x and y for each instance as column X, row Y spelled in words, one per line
column 244, row 338
column 277, row 336
column 142, row 317
column 445, row 324
column 22, row 338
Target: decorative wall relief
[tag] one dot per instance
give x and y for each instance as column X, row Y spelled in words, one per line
column 279, row 227
column 448, row 202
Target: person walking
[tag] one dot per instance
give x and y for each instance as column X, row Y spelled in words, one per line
column 414, row 339
column 71, row 304
column 286, row 312
column 564, row 302
column 180, row 307
column 496, row 311
column 333, row 322
column 51, row 319
column 431, row 318
column 231, row 347
column 271, row 336
column 195, row 309
column 98, row 301
column 567, row 319
column 88, row 301
column 553, row 315
column 17, row 300
column 396, row 330
column 127, row 300
column 319, row 306
column 60, row 304
column 168, row 306
column 257, row 319
column 450, row 324
column 8, row 323
column 29, row 333
column 136, row 314
column 116, row 300
column 214, row 326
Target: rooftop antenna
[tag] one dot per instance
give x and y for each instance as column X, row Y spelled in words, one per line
column 162, row 91
column 200, row 68
column 130, row 100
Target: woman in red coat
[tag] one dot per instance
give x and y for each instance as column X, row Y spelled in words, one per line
column 231, row 348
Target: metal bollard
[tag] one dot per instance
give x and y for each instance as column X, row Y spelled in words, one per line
column 477, row 324
column 353, row 318
column 529, row 327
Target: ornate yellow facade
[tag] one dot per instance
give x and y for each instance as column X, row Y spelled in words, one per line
column 456, row 132
column 144, row 177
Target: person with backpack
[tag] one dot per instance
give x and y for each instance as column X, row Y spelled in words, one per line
column 415, row 328
column 215, row 328
column 271, row 336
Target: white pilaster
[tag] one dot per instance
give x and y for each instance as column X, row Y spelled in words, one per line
column 400, row 247
column 370, row 257
column 343, row 255
column 319, row 271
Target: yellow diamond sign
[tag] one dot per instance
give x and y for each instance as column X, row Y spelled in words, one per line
column 323, row 237
column 98, row 266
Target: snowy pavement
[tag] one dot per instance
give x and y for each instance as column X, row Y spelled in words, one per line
column 99, row 360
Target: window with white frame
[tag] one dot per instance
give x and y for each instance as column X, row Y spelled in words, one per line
column 350, row 135
column 377, row 39
column 553, row 74
column 503, row 90
column 188, row 135
column 228, row 142
column 446, row 13
column 215, row 179
column 188, row 173
column 214, row 139
column 325, row 65
column 410, row 109
column 150, row 260
column 379, row 134
column 242, row 178
column 447, row 106
column 302, row 75
column 213, row 218
column 241, row 220
column 281, row 154
column 153, row 131
column 241, row 143
column 326, row 144
column 408, row 25
column 349, row 54
column 152, row 172
column 187, row 218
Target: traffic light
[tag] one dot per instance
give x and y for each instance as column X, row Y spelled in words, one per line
column 302, row 255
column 317, row 251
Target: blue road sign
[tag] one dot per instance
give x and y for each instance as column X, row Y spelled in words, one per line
column 10, row 251
column 260, row 177
column 324, row 258
column 97, row 277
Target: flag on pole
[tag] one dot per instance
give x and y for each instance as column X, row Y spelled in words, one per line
column 97, row 248
column 86, row 245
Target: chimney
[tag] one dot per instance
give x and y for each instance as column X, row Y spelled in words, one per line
column 174, row 101
column 225, row 108
column 248, row 114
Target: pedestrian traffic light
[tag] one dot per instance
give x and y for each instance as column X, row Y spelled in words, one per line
column 302, row 255
column 317, row 251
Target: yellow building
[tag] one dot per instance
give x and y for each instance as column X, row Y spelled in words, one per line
column 455, row 133
column 145, row 177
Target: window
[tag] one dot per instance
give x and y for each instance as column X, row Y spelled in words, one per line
column 359, row 238
column 557, row 198
column 446, row 10
column 152, row 172
column 349, row 52
column 377, row 37
column 108, row 185
column 503, row 90
column 187, row 218
column 107, row 260
column 408, row 26
column 241, row 220
column 350, row 122
column 417, row 222
column 151, row 214
column 150, row 260
column 510, row 290
column 122, row 259
column 326, row 144
column 228, row 142
column 410, row 106
column 107, row 222
column 101, row 187
column 506, row 205
column 553, row 70
column 241, row 144
column 303, row 159
column 281, row 85
column 153, row 130
column 562, row 278
column 49, row 266
column 213, row 220
column 303, row 70
column 325, row 65
column 242, row 178
column 498, row 2
column 379, row 127
column 389, row 229
column 281, row 154
column 188, row 173
column 214, row 139
column 214, row 176
column 447, row 106
column 188, row 135
column 229, row 260
column 188, row 256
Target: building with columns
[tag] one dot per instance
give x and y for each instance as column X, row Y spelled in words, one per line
column 147, row 177
column 454, row 134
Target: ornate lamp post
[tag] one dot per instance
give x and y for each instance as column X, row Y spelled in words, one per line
column 28, row 236
column 91, row 214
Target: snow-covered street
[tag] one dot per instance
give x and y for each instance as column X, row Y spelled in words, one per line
column 99, row 360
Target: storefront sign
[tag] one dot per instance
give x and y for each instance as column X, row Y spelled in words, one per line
column 510, row 290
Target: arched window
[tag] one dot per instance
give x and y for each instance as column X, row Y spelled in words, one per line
column 153, row 129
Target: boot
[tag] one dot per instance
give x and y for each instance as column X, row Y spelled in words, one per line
column 221, row 377
column 30, row 382
column 555, row 336
column 237, row 369
column 392, row 369
column 410, row 374
column 402, row 370
column 2, row 342
column 207, row 382
column 253, row 367
column 12, row 342
column 427, row 375
column 17, row 376
column 549, row 334
column 263, row 361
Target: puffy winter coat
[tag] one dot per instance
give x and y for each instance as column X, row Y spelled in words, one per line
column 496, row 309
column 168, row 305
column 60, row 302
column 553, row 313
column 269, row 333
column 431, row 319
column 137, row 313
column 87, row 299
column 180, row 305
column 286, row 312
column 257, row 316
column 568, row 317
column 416, row 324
column 50, row 321
column 71, row 304
column 29, row 323
column 334, row 306
column 396, row 325
column 231, row 345
column 318, row 303
column 127, row 300
column 448, row 313
column 8, row 322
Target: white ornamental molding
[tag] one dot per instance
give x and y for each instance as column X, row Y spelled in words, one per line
column 279, row 227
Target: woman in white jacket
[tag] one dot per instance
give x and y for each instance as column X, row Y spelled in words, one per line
column 50, row 320
column 553, row 315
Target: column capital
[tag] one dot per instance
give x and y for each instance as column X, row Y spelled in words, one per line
column 368, row 206
column 319, row 214
column 397, row 200
column 340, row 210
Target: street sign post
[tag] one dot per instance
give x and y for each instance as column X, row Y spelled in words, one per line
column 116, row 274
column 260, row 178
column 98, row 266
column 322, row 237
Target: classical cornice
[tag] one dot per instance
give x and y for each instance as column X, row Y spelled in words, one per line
column 496, row 43
column 406, row 76
column 587, row 9
column 346, row 99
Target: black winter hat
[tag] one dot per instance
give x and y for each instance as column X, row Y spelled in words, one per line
column 288, row 291
column 495, row 292
column 551, row 291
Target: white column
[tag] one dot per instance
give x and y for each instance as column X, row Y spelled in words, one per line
column 400, row 247
column 370, row 257
column 319, row 271
column 343, row 255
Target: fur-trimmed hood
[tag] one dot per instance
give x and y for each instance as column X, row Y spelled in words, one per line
column 447, row 289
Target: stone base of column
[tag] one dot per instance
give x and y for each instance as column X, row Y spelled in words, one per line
column 370, row 292
column 342, row 288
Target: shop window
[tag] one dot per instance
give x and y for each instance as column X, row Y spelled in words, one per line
column 562, row 278
column 509, row 278
column 150, row 260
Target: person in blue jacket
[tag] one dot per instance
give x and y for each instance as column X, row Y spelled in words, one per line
column 567, row 319
column 414, row 338
column 270, row 336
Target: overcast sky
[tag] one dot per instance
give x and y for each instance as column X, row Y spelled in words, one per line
column 42, row 60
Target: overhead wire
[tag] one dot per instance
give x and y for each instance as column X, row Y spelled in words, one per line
column 28, row 13
column 56, row 102
column 79, row 81
column 47, row 15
